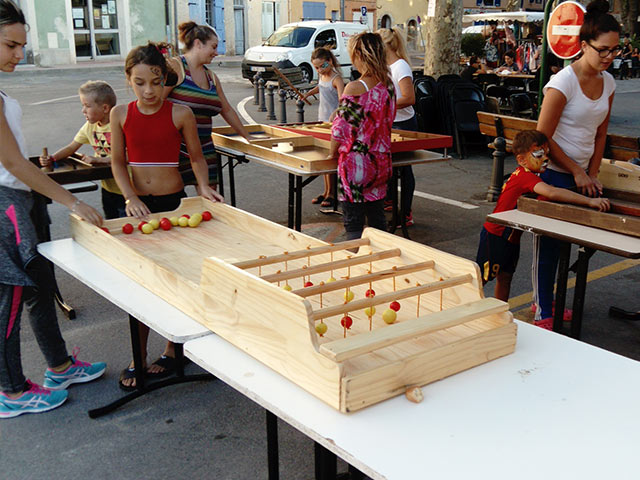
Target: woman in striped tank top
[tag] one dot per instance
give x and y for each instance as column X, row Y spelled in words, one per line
column 199, row 89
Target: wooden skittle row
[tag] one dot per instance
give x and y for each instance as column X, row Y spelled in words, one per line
column 225, row 274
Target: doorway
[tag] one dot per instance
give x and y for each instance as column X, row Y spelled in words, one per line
column 238, row 16
column 95, row 28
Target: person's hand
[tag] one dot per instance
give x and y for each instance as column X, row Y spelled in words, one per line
column 586, row 184
column 46, row 161
column 600, row 203
column 92, row 160
column 134, row 207
column 209, row 193
column 87, row 213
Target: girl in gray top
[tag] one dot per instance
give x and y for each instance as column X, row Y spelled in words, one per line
column 330, row 87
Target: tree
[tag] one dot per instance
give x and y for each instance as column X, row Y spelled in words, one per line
column 629, row 10
column 442, row 38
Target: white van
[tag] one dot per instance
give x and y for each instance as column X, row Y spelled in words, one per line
column 295, row 42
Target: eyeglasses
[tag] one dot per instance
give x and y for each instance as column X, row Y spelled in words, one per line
column 605, row 52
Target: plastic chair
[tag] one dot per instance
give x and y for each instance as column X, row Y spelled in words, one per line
column 521, row 105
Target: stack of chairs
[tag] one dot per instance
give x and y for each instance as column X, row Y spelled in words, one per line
column 425, row 106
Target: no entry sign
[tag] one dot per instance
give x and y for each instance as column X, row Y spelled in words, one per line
column 563, row 29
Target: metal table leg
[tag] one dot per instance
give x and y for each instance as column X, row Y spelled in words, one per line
column 561, row 282
column 273, row 460
column 584, row 254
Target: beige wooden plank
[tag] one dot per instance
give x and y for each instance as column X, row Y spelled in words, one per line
column 363, row 279
column 344, row 349
column 390, row 297
column 335, row 265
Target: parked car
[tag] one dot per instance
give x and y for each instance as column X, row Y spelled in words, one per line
column 293, row 44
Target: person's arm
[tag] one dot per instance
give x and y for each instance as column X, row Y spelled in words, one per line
column 187, row 126
column 311, row 92
column 176, row 65
column 134, row 207
column 568, row 196
column 29, row 174
column 64, row 152
column 338, row 84
column 552, row 108
column 230, row 115
column 598, row 149
column 407, row 95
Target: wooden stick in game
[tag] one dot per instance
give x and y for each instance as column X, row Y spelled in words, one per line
column 297, row 92
column 48, row 168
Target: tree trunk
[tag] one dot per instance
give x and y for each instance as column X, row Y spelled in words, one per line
column 632, row 19
column 442, row 38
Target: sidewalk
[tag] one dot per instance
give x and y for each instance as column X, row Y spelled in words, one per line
column 112, row 65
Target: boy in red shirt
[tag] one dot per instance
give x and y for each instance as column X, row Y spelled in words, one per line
column 499, row 247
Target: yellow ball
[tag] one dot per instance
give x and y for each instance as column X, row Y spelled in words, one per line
column 370, row 311
column 389, row 316
column 287, row 287
column 174, row 221
column 331, row 279
column 321, row 328
column 348, row 296
column 195, row 220
column 183, row 221
column 147, row 228
column 155, row 223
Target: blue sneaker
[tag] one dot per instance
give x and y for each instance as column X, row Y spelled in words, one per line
column 34, row 400
column 77, row 372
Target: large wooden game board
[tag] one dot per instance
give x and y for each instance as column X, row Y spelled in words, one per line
column 244, row 277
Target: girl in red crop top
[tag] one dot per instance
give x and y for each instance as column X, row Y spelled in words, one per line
column 150, row 130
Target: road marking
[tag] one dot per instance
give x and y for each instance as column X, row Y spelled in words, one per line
column 448, row 201
column 243, row 111
column 53, row 100
column 525, row 298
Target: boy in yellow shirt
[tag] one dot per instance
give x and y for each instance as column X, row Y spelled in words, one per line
column 97, row 98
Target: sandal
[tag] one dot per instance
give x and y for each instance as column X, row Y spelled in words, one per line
column 127, row 374
column 318, row 199
column 328, row 202
column 169, row 365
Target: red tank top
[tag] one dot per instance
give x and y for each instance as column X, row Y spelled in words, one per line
column 152, row 140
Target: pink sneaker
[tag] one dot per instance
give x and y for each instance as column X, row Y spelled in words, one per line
column 567, row 316
column 546, row 323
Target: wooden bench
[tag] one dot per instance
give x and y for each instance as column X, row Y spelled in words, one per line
column 292, row 81
column 504, row 128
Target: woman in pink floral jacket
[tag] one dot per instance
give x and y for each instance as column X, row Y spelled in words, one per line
column 361, row 137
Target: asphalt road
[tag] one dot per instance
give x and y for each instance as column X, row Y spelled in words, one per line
column 207, row 430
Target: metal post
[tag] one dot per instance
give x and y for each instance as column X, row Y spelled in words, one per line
column 300, row 111
column 497, row 175
column 544, row 62
column 261, row 107
column 256, row 77
column 283, row 106
column 271, row 111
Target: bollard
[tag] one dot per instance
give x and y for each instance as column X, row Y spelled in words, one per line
column 497, row 175
column 271, row 111
column 261, row 107
column 300, row 111
column 283, row 106
column 256, row 77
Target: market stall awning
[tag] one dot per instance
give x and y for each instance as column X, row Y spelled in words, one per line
column 505, row 17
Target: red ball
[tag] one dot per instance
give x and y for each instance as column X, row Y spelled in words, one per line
column 165, row 224
column 105, row 229
column 127, row 228
column 346, row 322
column 395, row 306
column 185, row 215
column 140, row 225
column 206, row 215
column 308, row 284
column 370, row 293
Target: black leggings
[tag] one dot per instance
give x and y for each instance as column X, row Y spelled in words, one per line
column 163, row 203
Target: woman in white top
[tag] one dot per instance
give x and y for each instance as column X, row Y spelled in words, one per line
column 575, row 116
column 24, row 277
column 402, row 76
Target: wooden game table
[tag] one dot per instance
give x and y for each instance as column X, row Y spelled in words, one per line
column 552, row 393
column 588, row 239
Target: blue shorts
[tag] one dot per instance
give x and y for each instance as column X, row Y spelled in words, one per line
column 498, row 254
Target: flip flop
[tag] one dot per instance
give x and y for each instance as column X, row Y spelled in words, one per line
column 169, row 365
column 328, row 202
column 127, row 374
column 318, row 199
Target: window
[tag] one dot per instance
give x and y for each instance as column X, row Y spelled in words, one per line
column 270, row 18
column 326, row 39
column 295, row 37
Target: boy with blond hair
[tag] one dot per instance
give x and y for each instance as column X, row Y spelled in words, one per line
column 499, row 247
column 97, row 98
